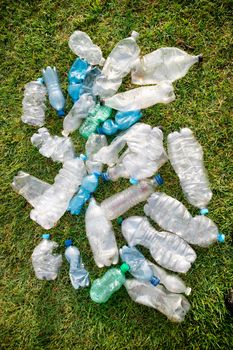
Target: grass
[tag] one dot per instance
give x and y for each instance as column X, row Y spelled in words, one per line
column 51, row 315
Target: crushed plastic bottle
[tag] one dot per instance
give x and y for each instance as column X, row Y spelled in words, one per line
column 117, row 66
column 76, row 77
column 53, row 203
column 174, row 306
column 56, row 97
column 164, row 64
column 95, row 117
column 149, row 96
column 78, row 112
column 168, row 250
column 34, row 103
column 172, row 215
column 88, row 186
column 59, row 149
column 186, row 157
column 30, row 187
column 46, row 264
column 103, row 288
column 79, row 276
column 143, row 157
column 87, row 85
column 81, row 44
column 100, row 235
column 138, row 265
column 119, row 203
column 93, row 145
column 123, row 121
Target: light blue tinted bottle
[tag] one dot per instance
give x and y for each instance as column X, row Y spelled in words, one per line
column 89, row 80
column 76, row 77
column 123, row 120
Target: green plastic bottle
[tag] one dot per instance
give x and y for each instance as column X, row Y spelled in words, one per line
column 97, row 116
column 103, row 288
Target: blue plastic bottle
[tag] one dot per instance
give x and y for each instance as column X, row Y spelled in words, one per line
column 76, row 77
column 86, row 87
column 123, row 120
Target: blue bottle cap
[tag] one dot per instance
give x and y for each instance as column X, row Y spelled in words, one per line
column 158, row 179
column 68, row 243
column 221, row 237
column 60, row 113
column 83, row 156
column 204, row 211
column 105, row 176
column 46, row 236
column 133, row 181
column 154, row 281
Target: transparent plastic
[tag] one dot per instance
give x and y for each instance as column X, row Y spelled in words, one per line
column 93, row 145
column 122, row 121
column 89, row 81
column 76, row 77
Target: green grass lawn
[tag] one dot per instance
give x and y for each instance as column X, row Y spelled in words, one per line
column 52, row 315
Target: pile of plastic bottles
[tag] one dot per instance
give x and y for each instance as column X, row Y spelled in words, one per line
column 136, row 153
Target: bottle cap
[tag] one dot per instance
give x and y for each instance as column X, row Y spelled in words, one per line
column 119, row 220
column 133, row 181
column 68, row 243
column 46, row 236
column 60, row 113
column 83, row 156
column 204, row 211
column 40, row 80
column 221, row 237
column 124, row 268
column 105, row 176
column 200, row 58
column 158, row 179
column 154, row 281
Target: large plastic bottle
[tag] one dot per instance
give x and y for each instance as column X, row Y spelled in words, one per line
column 81, row 44
column 121, row 202
column 56, row 97
column 100, row 235
column 186, row 157
column 34, row 103
column 78, row 112
column 103, row 288
column 149, row 96
column 46, row 264
column 76, row 77
column 79, row 276
column 164, row 64
column 53, row 203
column 94, row 143
column 168, row 250
column 172, row 215
column 59, row 149
column 174, row 306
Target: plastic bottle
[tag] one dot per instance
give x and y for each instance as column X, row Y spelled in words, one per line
column 78, row 112
column 88, row 186
column 96, row 116
column 100, row 235
column 121, row 202
column 81, row 44
column 123, row 121
column 93, row 145
column 56, row 97
column 34, row 103
column 54, row 202
column 149, row 96
column 87, row 85
column 164, row 64
column 46, row 264
column 59, row 149
column 170, row 251
column 79, row 276
column 174, row 306
column 172, row 215
column 186, row 157
column 76, row 77
column 103, row 288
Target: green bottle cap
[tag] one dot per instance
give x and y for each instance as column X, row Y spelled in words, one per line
column 124, row 268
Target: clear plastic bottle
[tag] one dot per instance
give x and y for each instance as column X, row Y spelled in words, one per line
column 46, row 264
column 56, row 97
column 186, row 157
column 81, row 44
column 87, row 85
column 79, row 276
column 59, row 149
column 164, row 64
column 103, row 288
column 94, row 143
column 121, row 202
column 172, row 215
column 100, row 235
column 174, row 306
column 149, row 96
column 34, row 103
column 76, row 77
column 54, row 202
column 168, row 250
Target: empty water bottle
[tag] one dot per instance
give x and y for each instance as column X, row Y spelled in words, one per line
column 103, row 288
column 122, row 121
column 186, row 157
column 172, row 215
column 87, row 85
column 81, row 44
column 76, row 77
column 100, row 235
column 59, row 149
column 174, row 306
column 79, row 276
column 34, row 103
column 164, row 64
column 46, row 264
column 56, row 97
column 170, row 251
column 121, row 202
column 93, row 145
column 149, row 96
